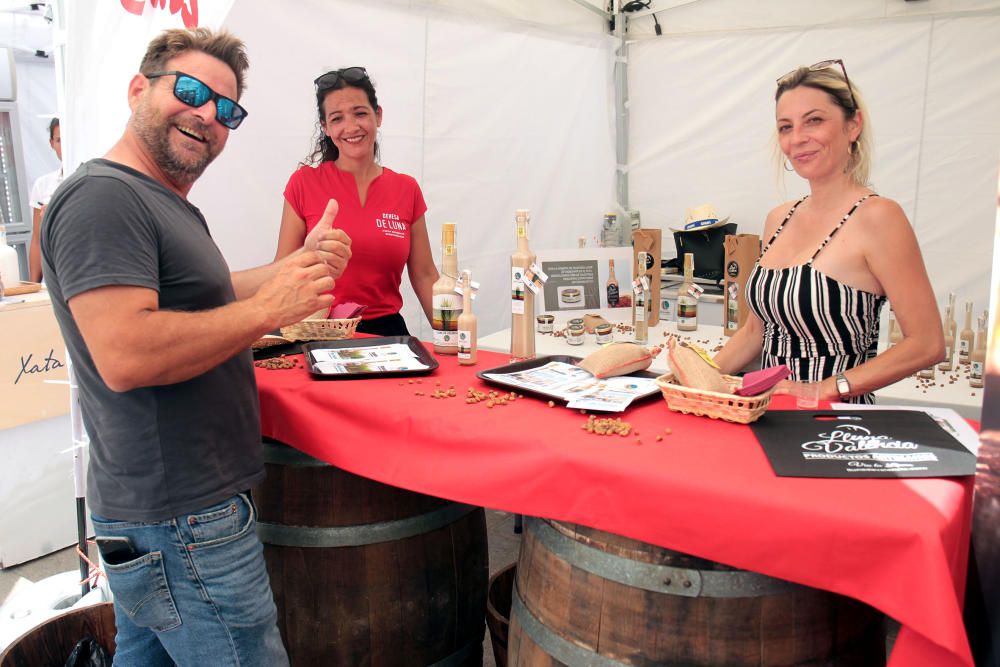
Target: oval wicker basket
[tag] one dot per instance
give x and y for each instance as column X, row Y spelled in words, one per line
column 320, row 329
column 728, row 407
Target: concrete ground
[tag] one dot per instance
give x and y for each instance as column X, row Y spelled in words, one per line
column 503, row 545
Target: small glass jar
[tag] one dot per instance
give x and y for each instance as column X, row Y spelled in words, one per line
column 575, row 321
column 546, row 323
column 603, row 332
column 574, row 334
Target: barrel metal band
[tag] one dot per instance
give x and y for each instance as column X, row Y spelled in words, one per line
column 461, row 656
column 657, row 578
column 563, row 650
column 282, row 454
column 357, row 536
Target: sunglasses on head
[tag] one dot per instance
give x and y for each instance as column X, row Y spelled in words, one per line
column 195, row 93
column 821, row 65
column 350, row 75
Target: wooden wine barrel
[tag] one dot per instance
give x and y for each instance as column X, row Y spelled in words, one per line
column 498, row 611
column 586, row 597
column 51, row 642
column 368, row 574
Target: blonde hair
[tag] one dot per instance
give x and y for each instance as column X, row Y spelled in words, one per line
column 849, row 99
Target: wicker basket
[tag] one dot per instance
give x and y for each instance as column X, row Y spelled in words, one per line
column 320, row 329
column 728, row 407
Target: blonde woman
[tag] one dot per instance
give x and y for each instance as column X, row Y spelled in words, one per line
column 831, row 259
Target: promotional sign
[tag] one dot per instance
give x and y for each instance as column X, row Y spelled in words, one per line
column 869, row 443
column 572, row 285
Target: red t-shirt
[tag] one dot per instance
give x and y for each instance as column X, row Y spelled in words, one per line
column 379, row 230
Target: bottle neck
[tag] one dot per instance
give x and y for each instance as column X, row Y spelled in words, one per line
column 466, row 298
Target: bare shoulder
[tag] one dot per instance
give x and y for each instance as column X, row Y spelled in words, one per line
column 884, row 218
column 775, row 216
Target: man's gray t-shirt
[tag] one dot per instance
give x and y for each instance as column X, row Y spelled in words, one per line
column 155, row 452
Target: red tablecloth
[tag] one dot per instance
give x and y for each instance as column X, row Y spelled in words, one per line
column 706, row 489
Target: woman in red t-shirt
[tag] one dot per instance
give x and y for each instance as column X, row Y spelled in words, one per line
column 381, row 210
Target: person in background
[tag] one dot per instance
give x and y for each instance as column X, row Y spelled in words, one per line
column 159, row 332
column 382, row 211
column 41, row 192
column 832, row 258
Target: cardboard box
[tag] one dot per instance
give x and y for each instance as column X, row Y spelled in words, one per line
column 741, row 253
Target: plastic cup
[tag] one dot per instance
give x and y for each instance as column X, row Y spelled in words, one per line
column 806, row 395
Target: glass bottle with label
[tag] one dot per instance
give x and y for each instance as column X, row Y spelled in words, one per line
column 640, row 299
column 966, row 339
column 522, row 329
column 612, row 285
column 948, row 324
column 634, row 222
column 446, row 306
column 467, row 341
column 611, row 233
column 977, row 358
column 687, row 302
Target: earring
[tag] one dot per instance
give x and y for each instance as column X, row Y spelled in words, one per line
column 786, row 165
column 852, row 147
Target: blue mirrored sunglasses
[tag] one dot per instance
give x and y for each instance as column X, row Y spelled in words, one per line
column 194, row 93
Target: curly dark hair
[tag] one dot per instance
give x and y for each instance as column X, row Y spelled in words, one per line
column 324, row 149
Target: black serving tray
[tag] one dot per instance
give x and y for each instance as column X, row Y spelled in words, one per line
column 422, row 355
column 541, row 361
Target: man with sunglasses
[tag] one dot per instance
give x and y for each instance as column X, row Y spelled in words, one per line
column 159, row 331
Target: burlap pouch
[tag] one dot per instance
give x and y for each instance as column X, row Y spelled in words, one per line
column 591, row 320
column 616, row 359
column 691, row 370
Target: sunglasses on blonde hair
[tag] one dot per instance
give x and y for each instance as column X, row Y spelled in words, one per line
column 786, row 79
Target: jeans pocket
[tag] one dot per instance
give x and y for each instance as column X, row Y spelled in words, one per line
column 222, row 523
column 219, row 522
column 141, row 591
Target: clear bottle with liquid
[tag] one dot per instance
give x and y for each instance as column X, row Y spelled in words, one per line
column 640, row 301
column 687, row 303
column 967, row 337
column 445, row 304
column 977, row 358
column 612, row 287
column 948, row 325
column 522, row 329
column 611, row 231
column 468, row 343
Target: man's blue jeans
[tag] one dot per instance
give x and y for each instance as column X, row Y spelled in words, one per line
column 198, row 594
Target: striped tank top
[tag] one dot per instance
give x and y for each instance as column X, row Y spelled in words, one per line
column 815, row 325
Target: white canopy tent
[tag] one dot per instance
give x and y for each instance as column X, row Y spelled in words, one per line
column 496, row 105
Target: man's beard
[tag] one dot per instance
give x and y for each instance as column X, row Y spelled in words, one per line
column 182, row 167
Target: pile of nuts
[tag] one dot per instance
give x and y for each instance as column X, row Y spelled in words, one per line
column 278, row 363
column 606, row 426
column 615, row 426
column 492, row 398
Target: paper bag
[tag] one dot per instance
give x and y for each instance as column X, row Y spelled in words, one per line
column 649, row 241
column 741, row 252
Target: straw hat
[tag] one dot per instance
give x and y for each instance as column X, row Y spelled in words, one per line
column 701, row 218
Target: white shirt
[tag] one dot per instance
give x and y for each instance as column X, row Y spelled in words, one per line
column 42, row 191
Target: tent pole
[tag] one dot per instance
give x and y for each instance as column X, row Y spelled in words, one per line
column 621, row 109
